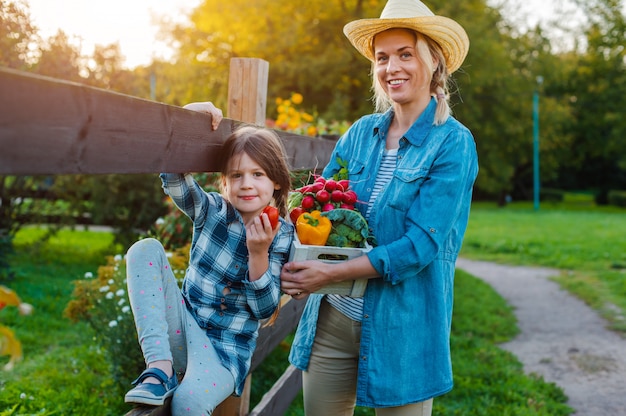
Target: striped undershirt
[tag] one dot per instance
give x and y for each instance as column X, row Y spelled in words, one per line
column 353, row 307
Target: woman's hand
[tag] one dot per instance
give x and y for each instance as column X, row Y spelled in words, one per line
column 209, row 108
column 300, row 278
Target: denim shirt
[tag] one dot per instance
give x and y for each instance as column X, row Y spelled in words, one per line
column 419, row 220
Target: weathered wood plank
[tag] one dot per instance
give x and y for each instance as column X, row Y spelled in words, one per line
column 49, row 126
column 278, row 399
column 271, row 336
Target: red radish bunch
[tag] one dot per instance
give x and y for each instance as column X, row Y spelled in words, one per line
column 322, row 195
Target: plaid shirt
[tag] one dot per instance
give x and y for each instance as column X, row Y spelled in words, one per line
column 216, row 286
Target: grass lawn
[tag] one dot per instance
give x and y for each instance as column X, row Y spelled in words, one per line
column 65, row 372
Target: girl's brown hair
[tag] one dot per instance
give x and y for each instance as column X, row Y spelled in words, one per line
column 265, row 148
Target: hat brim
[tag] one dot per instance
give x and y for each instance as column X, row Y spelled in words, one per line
column 448, row 34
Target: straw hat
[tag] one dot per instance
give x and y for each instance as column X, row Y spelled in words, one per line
column 414, row 15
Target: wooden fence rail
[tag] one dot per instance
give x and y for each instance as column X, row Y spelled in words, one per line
column 48, row 126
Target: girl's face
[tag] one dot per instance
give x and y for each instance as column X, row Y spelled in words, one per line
column 399, row 70
column 248, row 187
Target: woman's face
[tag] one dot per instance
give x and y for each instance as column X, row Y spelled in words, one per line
column 400, row 72
column 248, row 187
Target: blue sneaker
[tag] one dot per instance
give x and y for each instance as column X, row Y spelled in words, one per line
column 152, row 394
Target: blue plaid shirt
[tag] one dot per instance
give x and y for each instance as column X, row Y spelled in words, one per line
column 216, row 286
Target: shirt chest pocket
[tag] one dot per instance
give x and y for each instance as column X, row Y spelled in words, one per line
column 404, row 187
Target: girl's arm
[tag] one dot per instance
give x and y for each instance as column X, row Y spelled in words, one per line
column 263, row 292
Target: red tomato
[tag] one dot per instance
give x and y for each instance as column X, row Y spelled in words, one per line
column 272, row 215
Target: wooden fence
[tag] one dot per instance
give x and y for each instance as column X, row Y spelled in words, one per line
column 48, row 126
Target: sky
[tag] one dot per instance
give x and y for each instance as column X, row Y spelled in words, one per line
column 131, row 23
column 128, row 22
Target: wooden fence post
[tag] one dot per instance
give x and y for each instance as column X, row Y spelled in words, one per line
column 247, row 90
column 247, row 99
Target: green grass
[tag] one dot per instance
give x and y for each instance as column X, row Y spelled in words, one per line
column 63, row 371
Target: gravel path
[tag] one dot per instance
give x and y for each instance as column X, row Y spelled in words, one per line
column 561, row 338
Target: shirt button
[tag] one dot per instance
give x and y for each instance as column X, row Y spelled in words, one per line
column 432, row 230
column 366, row 316
column 364, row 358
column 223, row 300
column 229, row 284
column 221, row 313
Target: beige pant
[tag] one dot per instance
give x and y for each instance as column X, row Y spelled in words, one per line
column 330, row 382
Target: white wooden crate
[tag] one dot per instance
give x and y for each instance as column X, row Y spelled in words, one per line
column 330, row 254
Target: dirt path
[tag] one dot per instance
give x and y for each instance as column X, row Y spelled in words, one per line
column 561, row 338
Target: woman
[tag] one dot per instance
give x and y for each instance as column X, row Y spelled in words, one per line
column 414, row 167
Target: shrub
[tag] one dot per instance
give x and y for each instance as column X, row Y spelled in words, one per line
column 551, row 195
column 103, row 303
column 174, row 229
column 617, row 198
column 293, row 119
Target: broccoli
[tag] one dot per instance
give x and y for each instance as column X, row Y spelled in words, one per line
column 349, row 228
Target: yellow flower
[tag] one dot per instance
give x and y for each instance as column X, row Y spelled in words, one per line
column 296, row 98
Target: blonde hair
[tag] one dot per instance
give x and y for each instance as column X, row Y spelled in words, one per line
column 427, row 52
column 265, row 148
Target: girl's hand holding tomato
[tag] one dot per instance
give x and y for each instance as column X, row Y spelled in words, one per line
column 272, row 215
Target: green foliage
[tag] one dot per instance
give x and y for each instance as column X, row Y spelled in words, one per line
column 617, row 198
column 174, row 230
column 551, row 195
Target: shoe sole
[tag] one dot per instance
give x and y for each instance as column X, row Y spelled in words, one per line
column 156, row 401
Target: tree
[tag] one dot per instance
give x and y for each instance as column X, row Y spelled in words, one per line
column 597, row 88
column 303, row 43
column 16, row 35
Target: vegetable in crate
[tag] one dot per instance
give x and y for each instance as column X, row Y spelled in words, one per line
column 312, row 228
column 349, row 228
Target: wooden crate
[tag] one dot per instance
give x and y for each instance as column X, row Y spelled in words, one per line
column 330, row 254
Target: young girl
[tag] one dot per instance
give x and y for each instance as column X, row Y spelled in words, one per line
column 208, row 330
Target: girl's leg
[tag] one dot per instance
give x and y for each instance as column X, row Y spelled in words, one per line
column 207, row 382
column 157, row 304
column 424, row 408
column 330, row 382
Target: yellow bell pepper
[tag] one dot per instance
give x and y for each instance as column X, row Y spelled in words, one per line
column 313, row 228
